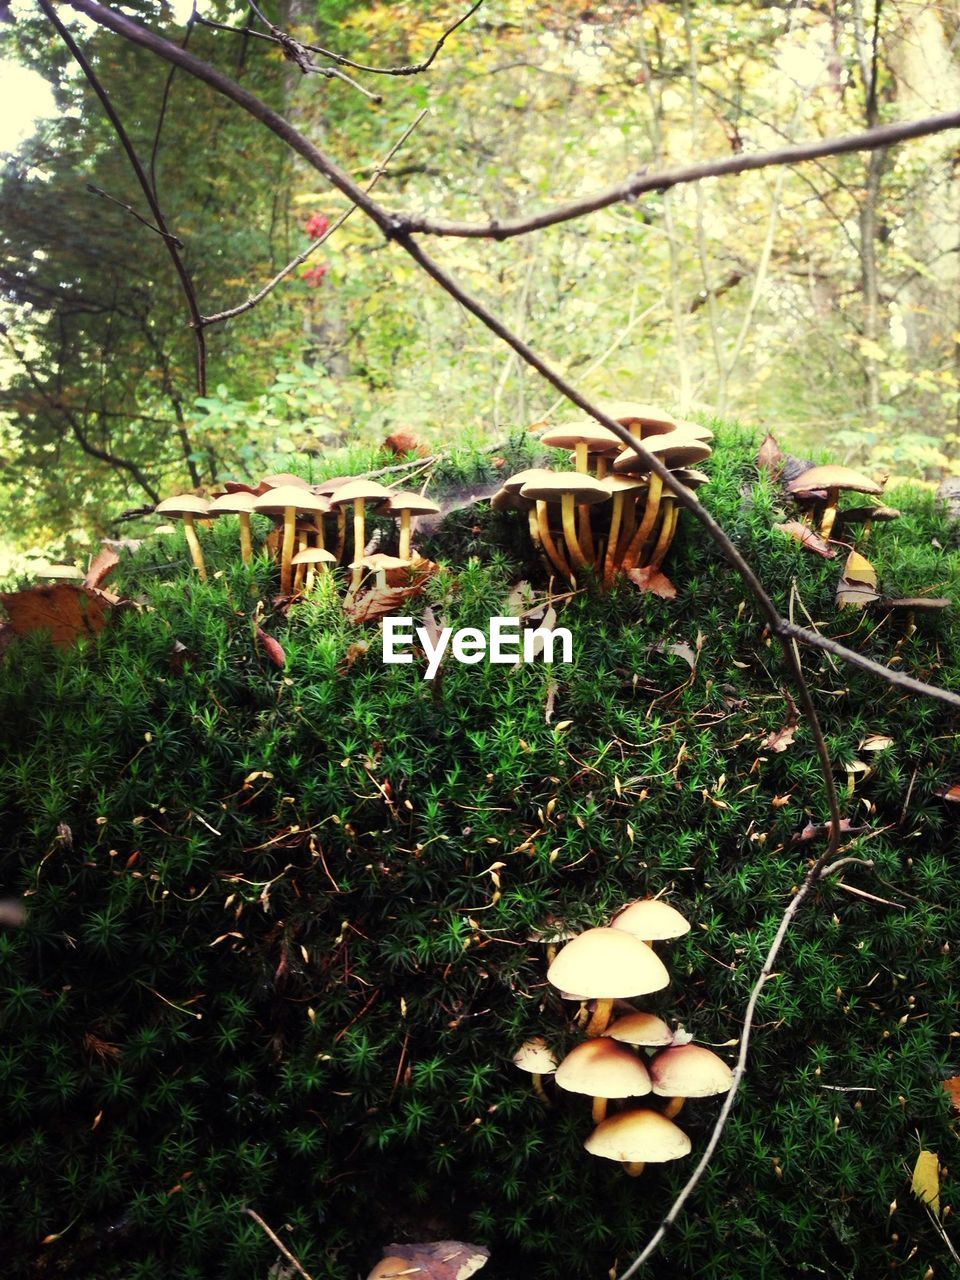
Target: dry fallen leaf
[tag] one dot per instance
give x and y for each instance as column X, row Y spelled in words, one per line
column 654, row 581
column 925, row 1183
column 808, row 539
column 105, row 561
column 445, row 1260
column 770, row 456
column 370, row 606
column 272, row 648
column 405, row 441
column 779, row 739
column 65, row 611
column 859, row 569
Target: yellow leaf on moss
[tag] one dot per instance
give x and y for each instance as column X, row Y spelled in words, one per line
column 926, row 1180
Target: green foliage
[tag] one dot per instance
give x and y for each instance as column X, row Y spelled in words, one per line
column 265, row 963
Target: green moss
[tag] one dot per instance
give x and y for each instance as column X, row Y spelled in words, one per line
column 265, row 963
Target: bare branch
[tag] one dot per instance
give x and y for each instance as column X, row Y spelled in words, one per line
column 168, row 239
column 250, row 303
column 164, row 103
column 105, row 195
column 278, row 1242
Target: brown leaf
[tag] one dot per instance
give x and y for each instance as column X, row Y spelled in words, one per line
column 65, row 611
column 405, row 441
column 272, row 648
column 654, row 581
column 952, row 1086
column 855, row 595
column 809, row 540
column 770, row 456
column 858, row 569
column 950, row 794
column 378, row 603
column 445, row 1260
column 356, row 650
column 105, row 561
column 813, row 830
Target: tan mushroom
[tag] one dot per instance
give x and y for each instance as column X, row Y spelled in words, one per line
column 603, row 1069
column 643, row 1030
column 187, row 506
column 571, row 490
column 833, row 480
column 538, row 516
column 619, row 487
column 406, row 504
column 359, row 493
column 675, row 449
column 239, row 504
column 281, row 480
column 311, row 557
column 636, row 1138
column 641, row 420
column 651, row 919
column 379, row 563
column 286, row 501
column 535, row 1057
column 688, row 1071
column 606, row 965
column 588, row 440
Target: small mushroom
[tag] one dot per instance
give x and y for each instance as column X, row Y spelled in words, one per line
column 287, row 500
column 281, row 480
column 311, row 557
column 643, row 1030
column 379, row 563
column 571, row 490
column 359, row 493
column 540, row 534
column 636, row 1138
column 641, row 420
column 688, row 1071
column 587, row 439
column 188, row 507
column 407, row 504
column 618, row 487
column 603, row 1069
column 832, row 480
column 674, row 449
column 605, row 965
column 239, row 504
column 534, row 1057
column 652, row 920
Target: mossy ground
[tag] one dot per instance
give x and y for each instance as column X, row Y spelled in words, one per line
column 266, row 964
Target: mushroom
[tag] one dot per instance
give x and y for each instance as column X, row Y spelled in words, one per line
column 688, row 1071
column 534, row 1057
column 618, row 487
column 540, row 534
column 187, row 506
column 641, row 420
column 866, row 516
column 636, row 1138
column 677, row 448
column 652, row 920
column 832, row 479
column 604, row 965
column 287, row 500
column 379, row 562
column 643, row 1030
column 571, row 490
column 407, row 504
column 550, row 933
column 311, row 557
column 359, row 492
column 393, row 1268
column 281, row 480
column 239, row 504
column 603, row 1069
column 587, row 439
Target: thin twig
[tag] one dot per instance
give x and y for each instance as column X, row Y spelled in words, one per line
column 164, row 103
column 105, row 195
column 278, row 1242
column 123, row 137
column 250, row 303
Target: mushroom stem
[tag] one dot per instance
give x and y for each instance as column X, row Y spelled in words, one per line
column 673, row 1107
column 667, row 529
column 601, row 1017
column 286, row 551
column 599, row 1110
column 554, row 555
column 404, row 551
column 534, row 525
column 584, row 533
column 301, row 568
column 193, row 542
column 601, row 466
column 539, row 1090
column 359, row 508
column 634, row 1167
column 645, row 527
column 341, row 532
column 246, row 537
column 611, row 558
column 574, row 550
column 829, row 514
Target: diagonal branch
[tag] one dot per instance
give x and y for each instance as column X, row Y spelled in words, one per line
column 169, row 239
column 121, row 204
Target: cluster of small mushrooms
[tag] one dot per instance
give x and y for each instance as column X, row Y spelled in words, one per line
column 637, row 1054
column 300, row 512
column 609, row 515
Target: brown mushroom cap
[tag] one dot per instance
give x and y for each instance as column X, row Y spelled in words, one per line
column 833, row 477
column 514, row 483
column 551, row 487
column 505, row 500
column 233, row 503
column 314, row 555
column 652, row 920
column 604, row 964
column 183, row 504
column 277, row 501
column 534, row 1056
column 689, row 1071
column 597, row 438
column 359, row 491
column 675, row 449
column 634, row 1136
column 282, row 480
column 631, row 413
column 601, row 1068
column 407, row 500
column 330, row 485
column 694, row 429
column 380, row 561
column 623, row 484
column 690, row 478
column 640, row 1029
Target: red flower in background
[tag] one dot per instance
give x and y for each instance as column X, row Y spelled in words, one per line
column 314, row 275
column 317, row 226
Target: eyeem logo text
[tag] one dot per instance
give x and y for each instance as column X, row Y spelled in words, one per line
column 505, row 644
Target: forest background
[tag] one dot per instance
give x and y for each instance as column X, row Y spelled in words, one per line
column 818, row 301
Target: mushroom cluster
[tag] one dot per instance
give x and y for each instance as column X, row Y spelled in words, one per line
column 609, row 515
column 635, row 1056
column 305, row 516
column 817, row 491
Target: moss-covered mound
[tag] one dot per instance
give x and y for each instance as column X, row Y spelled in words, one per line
column 277, row 949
